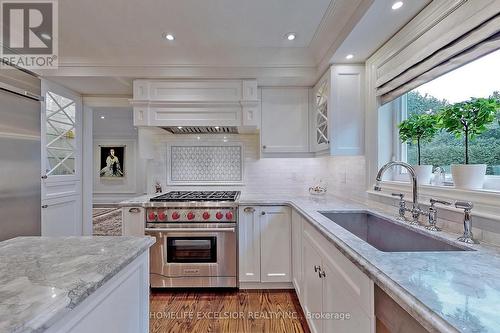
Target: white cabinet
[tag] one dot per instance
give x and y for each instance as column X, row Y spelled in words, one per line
column 249, row 244
column 334, row 287
column 346, row 110
column 297, row 279
column 320, row 127
column 337, row 111
column 62, row 216
column 265, row 244
column 313, row 285
column 285, row 121
column 133, row 219
column 275, row 245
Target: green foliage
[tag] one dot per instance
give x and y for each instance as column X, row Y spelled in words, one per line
column 468, row 119
column 417, row 129
column 419, row 104
column 445, row 149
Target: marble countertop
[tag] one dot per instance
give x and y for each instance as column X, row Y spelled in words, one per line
column 43, row 278
column 444, row 291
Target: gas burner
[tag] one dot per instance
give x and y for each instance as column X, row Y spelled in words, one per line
column 186, row 196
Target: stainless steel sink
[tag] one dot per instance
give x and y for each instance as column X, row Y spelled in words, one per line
column 387, row 235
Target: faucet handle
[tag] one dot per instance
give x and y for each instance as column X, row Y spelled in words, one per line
column 442, row 202
column 466, row 205
column 402, row 206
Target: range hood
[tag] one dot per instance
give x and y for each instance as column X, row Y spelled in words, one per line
column 197, row 106
column 202, row 129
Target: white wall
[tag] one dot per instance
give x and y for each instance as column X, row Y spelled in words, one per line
column 117, row 129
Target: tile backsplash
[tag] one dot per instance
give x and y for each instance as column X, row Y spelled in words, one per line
column 262, row 175
column 204, row 164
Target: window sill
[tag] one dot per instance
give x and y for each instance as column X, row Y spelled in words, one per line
column 486, row 202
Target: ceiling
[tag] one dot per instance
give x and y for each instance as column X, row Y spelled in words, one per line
column 104, row 46
column 377, row 26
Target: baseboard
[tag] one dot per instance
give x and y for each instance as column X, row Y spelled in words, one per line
column 266, row 285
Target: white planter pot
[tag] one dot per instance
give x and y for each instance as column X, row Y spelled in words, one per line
column 424, row 173
column 468, row 176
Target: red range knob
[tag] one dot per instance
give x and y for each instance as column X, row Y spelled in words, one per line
column 162, row 216
column 219, row 215
column 152, row 216
column 175, row 216
column 206, row 215
column 190, row 215
column 229, row 215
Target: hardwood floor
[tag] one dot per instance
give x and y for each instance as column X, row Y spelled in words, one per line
column 244, row 311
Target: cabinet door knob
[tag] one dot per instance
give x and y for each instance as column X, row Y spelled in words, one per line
column 264, row 147
column 44, row 177
column 249, row 210
column 263, row 213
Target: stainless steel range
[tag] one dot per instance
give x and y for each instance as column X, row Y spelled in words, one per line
column 196, row 239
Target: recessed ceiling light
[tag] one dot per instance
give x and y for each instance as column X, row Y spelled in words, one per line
column 349, row 56
column 169, row 37
column 102, row 117
column 291, row 36
column 397, row 5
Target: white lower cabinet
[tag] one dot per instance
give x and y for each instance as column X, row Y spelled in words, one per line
column 265, row 244
column 133, row 219
column 337, row 296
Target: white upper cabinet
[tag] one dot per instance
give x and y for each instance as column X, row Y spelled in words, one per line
column 346, row 110
column 337, row 111
column 320, row 135
column 285, row 120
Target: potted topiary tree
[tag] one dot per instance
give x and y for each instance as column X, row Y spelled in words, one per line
column 419, row 128
column 468, row 119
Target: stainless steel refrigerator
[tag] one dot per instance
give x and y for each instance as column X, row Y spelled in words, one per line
column 20, row 151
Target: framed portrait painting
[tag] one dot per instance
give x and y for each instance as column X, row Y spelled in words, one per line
column 112, row 161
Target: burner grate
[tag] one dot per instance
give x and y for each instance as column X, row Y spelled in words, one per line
column 182, row 196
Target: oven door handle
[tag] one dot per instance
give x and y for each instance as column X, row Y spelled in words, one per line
column 153, row 230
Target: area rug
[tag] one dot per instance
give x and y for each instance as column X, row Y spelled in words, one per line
column 107, row 221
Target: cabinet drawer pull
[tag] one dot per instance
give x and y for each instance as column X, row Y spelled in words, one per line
column 317, row 268
column 321, row 274
column 249, row 210
column 134, row 210
column 45, row 206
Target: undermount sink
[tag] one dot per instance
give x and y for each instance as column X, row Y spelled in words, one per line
column 388, row 236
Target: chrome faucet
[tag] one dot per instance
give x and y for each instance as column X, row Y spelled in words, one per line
column 415, row 210
column 467, row 237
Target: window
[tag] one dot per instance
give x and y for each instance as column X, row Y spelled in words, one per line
column 477, row 79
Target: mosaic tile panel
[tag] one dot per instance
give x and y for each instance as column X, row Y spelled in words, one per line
column 198, row 164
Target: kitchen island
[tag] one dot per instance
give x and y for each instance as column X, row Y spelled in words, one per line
column 74, row 284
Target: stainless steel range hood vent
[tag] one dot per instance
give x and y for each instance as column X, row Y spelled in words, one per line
column 202, row 130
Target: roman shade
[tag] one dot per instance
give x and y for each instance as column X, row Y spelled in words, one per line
column 476, row 43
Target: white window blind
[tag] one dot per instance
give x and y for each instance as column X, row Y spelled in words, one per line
column 476, row 43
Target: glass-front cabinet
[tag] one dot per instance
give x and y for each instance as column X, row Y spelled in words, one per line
column 320, row 136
